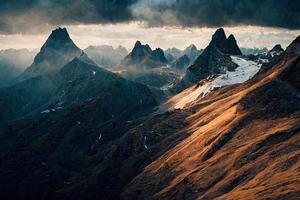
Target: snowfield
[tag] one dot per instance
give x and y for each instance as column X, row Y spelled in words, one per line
column 246, row 70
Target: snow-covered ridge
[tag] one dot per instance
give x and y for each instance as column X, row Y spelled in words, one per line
column 246, row 70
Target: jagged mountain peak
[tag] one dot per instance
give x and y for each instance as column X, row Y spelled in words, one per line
column 143, row 56
column 137, row 44
column 59, row 33
column 57, row 51
column 58, row 39
column 191, row 47
column 231, row 38
column 219, row 35
column 277, row 48
column 215, row 59
column 225, row 45
column 141, row 49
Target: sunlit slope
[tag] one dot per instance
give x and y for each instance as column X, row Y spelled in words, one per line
column 245, row 143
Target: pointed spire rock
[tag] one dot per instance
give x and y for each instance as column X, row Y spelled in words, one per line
column 219, row 35
column 57, row 51
column 232, row 47
column 137, row 44
column 225, row 45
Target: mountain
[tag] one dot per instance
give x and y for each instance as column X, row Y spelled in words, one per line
column 79, row 80
column 181, row 63
column 225, row 45
column 191, row 52
column 67, row 120
column 143, row 57
column 265, row 57
column 253, row 51
column 106, row 56
column 215, row 59
column 173, row 53
column 13, row 62
column 240, row 142
column 276, row 50
column 57, row 51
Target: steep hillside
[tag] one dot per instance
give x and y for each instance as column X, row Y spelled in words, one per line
column 78, row 81
column 244, row 143
column 59, row 127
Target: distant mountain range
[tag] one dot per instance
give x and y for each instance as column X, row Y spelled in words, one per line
column 106, row 56
column 253, row 51
column 173, row 54
column 13, row 62
column 53, row 85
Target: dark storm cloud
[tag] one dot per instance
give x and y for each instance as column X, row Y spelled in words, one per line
column 25, row 15
column 36, row 15
column 274, row 13
column 214, row 13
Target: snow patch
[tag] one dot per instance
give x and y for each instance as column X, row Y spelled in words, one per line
column 145, row 142
column 45, row 111
column 94, row 73
column 246, row 70
column 99, row 138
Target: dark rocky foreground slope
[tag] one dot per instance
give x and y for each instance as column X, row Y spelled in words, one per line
column 66, row 121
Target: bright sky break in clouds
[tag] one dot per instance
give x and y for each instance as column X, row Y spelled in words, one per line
column 126, row 34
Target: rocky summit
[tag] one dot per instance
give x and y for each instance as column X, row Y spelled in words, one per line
column 142, row 56
column 57, row 51
column 215, row 59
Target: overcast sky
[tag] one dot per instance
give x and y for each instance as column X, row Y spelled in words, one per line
column 161, row 23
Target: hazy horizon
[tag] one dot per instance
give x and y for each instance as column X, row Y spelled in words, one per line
column 126, row 34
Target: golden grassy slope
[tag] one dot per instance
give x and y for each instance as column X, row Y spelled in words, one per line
column 245, row 144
